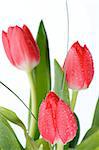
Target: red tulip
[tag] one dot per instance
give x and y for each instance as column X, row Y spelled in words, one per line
column 56, row 121
column 78, row 67
column 21, row 48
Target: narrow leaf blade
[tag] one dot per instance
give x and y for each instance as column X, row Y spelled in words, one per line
column 60, row 88
column 8, row 139
column 91, row 143
column 42, row 73
column 11, row 116
column 96, row 115
column 95, row 123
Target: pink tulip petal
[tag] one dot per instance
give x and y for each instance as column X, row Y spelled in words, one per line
column 45, row 123
column 23, row 48
column 78, row 67
column 73, row 67
column 66, row 122
column 56, row 121
column 88, row 66
column 10, row 31
column 28, row 33
column 33, row 52
column 7, row 46
column 47, row 118
column 18, row 47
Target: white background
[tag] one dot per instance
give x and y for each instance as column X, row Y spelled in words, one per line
column 84, row 27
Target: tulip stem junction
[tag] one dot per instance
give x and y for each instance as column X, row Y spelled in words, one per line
column 33, row 123
column 74, row 98
column 60, row 146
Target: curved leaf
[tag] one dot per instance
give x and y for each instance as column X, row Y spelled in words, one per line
column 42, row 71
column 8, row 139
column 11, row 116
column 60, row 85
column 95, row 123
column 96, row 115
column 90, row 132
column 90, row 143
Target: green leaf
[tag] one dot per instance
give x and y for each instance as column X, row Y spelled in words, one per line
column 46, row 145
column 95, row 123
column 11, row 116
column 66, row 147
column 91, row 143
column 96, row 116
column 60, row 85
column 73, row 143
column 42, row 73
column 8, row 139
column 90, row 132
column 30, row 144
column 97, row 148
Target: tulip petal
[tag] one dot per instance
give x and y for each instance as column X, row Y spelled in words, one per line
column 47, row 118
column 45, row 123
column 28, row 33
column 18, row 47
column 66, row 122
column 7, row 46
column 78, row 67
column 73, row 67
column 23, row 51
column 88, row 66
column 33, row 52
column 10, row 31
column 56, row 121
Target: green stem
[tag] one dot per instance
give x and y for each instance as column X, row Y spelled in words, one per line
column 60, row 146
column 74, row 98
column 32, row 126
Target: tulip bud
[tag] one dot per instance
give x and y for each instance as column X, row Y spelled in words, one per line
column 78, row 67
column 21, row 48
column 56, row 121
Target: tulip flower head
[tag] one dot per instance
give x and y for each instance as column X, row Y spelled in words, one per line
column 21, row 48
column 78, row 67
column 56, row 121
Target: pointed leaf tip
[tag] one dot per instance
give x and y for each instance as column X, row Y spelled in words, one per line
column 41, row 26
column 41, row 23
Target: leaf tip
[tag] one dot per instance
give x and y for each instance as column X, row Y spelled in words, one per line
column 42, row 25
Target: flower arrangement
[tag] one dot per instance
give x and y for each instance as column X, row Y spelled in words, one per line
column 52, row 122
